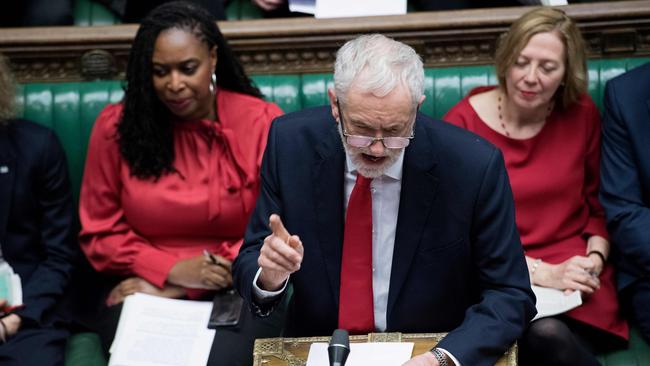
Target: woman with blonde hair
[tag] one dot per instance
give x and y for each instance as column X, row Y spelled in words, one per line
column 548, row 128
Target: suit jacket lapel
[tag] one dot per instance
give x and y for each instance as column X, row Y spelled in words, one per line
column 7, row 174
column 327, row 179
column 418, row 191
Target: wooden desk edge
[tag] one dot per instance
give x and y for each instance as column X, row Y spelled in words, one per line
column 293, row 351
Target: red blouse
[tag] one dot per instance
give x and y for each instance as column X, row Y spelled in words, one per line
column 134, row 227
column 555, row 178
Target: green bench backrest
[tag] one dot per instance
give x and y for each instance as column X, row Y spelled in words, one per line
column 71, row 108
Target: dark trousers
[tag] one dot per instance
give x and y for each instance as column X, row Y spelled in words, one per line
column 561, row 340
column 234, row 345
column 636, row 302
column 30, row 13
column 35, row 347
column 135, row 10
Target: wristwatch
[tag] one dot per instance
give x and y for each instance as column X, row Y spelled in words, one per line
column 440, row 356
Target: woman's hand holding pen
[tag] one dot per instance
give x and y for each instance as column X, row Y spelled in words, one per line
column 217, row 273
column 209, row 271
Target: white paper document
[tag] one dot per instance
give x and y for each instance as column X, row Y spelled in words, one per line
column 363, row 354
column 303, row 6
column 156, row 331
column 358, row 8
column 555, row 2
column 11, row 288
column 552, row 301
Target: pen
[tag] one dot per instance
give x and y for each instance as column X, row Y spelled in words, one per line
column 8, row 309
column 212, row 258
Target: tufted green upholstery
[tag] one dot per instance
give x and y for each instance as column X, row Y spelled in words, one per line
column 70, row 109
column 88, row 12
column 638, row 353
column 84, row 349
column 242, row 10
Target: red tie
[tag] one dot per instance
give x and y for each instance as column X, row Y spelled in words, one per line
column 356, row 312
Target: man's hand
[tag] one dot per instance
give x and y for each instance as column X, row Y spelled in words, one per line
column 268, row 5
column 201, row 272
column 280, row 256
column 425, row 359
column 137, row 284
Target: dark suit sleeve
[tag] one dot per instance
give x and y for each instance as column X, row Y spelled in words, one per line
column 621, row 194
column 506, row 303
column 47, row 284
column 268, row 202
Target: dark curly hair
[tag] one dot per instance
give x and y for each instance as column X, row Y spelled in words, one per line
column 145, row 131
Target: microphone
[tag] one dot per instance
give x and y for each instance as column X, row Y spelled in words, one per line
column 339, row 347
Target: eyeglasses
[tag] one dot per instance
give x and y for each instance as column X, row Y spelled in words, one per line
column 397, row 142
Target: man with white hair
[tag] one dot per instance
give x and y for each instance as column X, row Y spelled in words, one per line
column 383, row 219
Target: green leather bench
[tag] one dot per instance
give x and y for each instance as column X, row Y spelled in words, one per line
column 70, row 109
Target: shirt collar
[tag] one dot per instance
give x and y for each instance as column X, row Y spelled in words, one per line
column 394, row 171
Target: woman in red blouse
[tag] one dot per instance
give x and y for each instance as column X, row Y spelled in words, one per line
column 549, row 132
column 172, row 171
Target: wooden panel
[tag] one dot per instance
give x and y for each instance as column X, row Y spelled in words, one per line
column 305, row 45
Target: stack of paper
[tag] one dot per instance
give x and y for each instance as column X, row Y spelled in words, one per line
column 362, row 354
column 157, row 331
column 347, row 8
column 303, row 6
column 11, row 288
column 555, row 2
column 552, row 301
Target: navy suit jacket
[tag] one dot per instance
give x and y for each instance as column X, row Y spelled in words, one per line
column 458, row 264
column 625, row 171
column 37, row 217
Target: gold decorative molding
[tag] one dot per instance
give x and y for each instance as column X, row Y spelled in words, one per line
column 305, row 45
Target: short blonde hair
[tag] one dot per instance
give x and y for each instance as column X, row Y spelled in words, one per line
column 543, row 20
column 7, row 91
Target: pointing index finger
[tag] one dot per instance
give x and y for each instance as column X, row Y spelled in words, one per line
column 275, row 223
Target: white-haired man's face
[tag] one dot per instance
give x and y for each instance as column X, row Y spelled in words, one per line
column 366, row 115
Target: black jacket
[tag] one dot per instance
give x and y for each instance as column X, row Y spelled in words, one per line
column 37, row 217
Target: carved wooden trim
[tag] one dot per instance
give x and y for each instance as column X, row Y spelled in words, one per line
column 299, row 45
